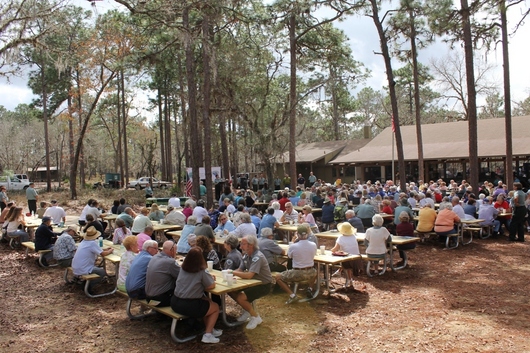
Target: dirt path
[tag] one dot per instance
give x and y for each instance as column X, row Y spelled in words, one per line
column 472, row 299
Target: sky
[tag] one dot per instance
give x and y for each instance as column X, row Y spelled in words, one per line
column 364, row 41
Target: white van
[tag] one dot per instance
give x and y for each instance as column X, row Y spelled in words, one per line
column 13, row 183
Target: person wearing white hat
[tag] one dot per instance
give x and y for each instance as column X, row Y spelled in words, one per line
column 85, row 257
column 347, row 242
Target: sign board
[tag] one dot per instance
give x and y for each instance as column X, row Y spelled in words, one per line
column 216, row 172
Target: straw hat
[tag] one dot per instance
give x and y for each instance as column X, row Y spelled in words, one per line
column 346, row 228
column 343, row 200
column 91, row 233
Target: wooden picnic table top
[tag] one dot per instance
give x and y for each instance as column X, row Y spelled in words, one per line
column 221, row 287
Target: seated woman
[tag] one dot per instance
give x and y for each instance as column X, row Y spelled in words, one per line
column 156, row 214
column 233, row 257
column 404, row 229
column 91, row 222
column 207, row 251
column 131, row 246
column 446, row 222
column 347, row 242
column 183, row 245
column 376, row 240
column 16, row 224
column 121, row 232
column 426, row 219
column 303, row 199
column 189, row 299
column 386, row 207
column 306, row 216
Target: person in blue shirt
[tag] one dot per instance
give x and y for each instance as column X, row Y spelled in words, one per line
column 268, row 221
column 327, row 213
column 255, row 218
column 135, row 281
column 224, row 224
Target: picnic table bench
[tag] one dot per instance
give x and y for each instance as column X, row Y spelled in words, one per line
column 166, row 310
column 29, row 245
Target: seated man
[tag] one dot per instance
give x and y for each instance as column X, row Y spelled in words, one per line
column 270, row 249
column 245, row 228
column 123, row 205
column 162, row 273
column 205, row 229
column 56, row 213
column 64, row 248
column 44, row 239
column 174, row 201
column 86, row 255
column 146, row 235
column 175, row 217
column 141, row 221
column 302, row 253
column 354, row 221
column 128, row 216
column 488, row 213
column 290, row 213
column 255, row 266
column 135, row 280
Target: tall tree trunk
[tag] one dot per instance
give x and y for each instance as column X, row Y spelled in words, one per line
column 471, row 95
column 84, row 125
column 185, row 120
column 161, row 128
column 392, row 92
column 415, row 77
column 292, row 101
column 507, row 96
column 196, row 152
column 224, row 146
column 46, row 133
column 120, row 132
column 206, row 47
column 334, row 103
column 124, row 117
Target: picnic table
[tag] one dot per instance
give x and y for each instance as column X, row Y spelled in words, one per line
column 222, row 288
column 289, row 228
column 161, row 228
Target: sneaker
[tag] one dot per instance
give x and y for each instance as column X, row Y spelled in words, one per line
column 244, row 317
column 292, row 300
column 217, row 332
column 309, row 292
column 209, row 338
column 254, row 322
column 348, row 283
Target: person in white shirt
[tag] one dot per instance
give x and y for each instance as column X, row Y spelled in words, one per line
column 459, row 210
column 174, row 217
column 277, row 212
column 200, row 211
column 302, row 253
column 141, row 221
column 174, row 201
column 290, row 213
column 56, row 213
column 245, row 228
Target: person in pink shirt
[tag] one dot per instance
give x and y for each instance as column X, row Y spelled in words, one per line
column 187, row 210
column 144, row 236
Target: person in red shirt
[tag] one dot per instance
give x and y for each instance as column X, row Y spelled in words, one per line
column 283, row 200
column 387, row 208
column 499, row 204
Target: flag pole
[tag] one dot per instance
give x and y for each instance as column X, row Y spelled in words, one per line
column 393, row 131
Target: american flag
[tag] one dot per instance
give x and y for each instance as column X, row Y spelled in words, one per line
column 189, row 185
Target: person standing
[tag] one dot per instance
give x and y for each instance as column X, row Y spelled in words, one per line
column 3, row 198
column 300, row 181
column 32, row 196
column 519, row 213
column 312, row 179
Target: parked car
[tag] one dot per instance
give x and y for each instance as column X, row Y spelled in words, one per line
column 144, row 181
column 13, row 183
column 22, row 177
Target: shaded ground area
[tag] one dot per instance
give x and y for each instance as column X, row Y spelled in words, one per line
column 472, row 299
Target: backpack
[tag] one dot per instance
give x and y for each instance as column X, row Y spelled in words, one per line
column 339, row 213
